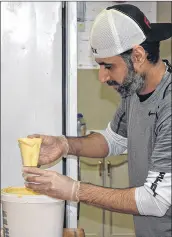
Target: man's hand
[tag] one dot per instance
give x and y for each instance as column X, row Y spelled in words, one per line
column 52, row 148
column 52, row 184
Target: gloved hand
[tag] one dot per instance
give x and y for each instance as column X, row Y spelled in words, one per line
column 52, row 148
column 52, row 184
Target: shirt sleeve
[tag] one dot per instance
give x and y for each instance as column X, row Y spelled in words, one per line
column 116, row 131
column 119, row 121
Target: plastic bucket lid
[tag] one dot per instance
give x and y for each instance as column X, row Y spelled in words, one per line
column 24, row 195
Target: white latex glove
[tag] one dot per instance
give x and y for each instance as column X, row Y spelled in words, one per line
column 52, row 148
column 52, row 184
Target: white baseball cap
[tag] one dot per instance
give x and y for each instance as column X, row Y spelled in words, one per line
column 119, row 28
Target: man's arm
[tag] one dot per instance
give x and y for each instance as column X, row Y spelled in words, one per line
column 117, row 200
column 93, row 145
column 135, row 201
column 140, row 200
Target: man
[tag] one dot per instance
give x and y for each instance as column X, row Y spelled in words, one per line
column 126, row 46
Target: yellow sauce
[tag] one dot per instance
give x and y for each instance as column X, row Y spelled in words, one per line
column 19, row 191
column 30, row 148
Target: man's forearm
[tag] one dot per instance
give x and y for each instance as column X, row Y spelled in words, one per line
column 117, row 200
column 93, row 145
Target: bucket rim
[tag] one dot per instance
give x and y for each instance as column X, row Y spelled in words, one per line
column 14, row 197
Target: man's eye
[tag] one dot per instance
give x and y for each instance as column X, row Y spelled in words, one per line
column 108, row 66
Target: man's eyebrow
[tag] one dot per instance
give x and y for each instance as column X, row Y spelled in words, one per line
column 105, row 64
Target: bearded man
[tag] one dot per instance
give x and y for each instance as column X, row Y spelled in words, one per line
column 126, row 46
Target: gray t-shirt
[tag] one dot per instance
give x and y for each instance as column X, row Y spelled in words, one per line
column 147, row 126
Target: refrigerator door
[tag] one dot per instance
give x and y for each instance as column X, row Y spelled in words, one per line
column 31, row 79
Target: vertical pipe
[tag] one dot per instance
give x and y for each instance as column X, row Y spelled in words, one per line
column 64, row 76
column 64, row 86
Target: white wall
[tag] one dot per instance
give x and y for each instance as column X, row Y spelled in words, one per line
column 31, row 95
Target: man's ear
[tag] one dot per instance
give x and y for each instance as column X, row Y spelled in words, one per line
column 138, row 57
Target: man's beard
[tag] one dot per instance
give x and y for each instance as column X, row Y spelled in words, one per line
column 133, row 82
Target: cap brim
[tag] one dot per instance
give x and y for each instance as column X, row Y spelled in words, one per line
column 160, row 31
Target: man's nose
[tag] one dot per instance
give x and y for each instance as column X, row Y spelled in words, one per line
column 103, row 74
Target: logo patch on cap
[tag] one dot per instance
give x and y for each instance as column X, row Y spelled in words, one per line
column 147, row 22
column 94, row 50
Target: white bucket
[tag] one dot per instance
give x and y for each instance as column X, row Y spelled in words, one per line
column 31, row 215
